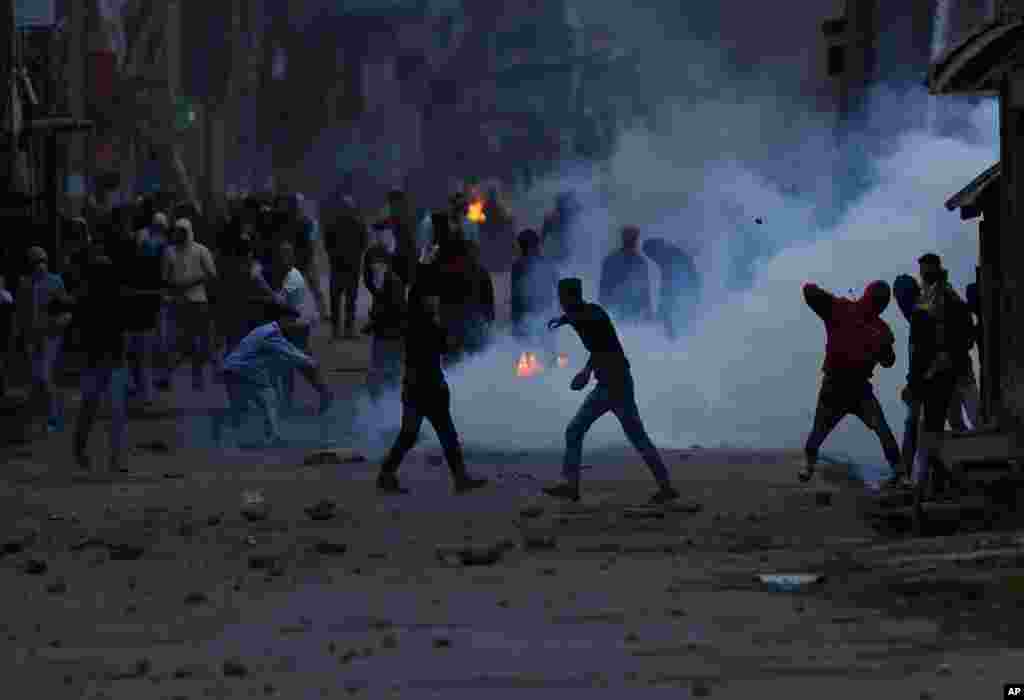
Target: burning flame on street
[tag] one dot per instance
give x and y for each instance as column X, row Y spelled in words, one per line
column 563, row 360
column 476, row 212
column 528, row 365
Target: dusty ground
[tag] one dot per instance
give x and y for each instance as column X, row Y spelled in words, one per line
column 584, row 601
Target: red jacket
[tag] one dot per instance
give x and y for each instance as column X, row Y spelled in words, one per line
column 856, row 337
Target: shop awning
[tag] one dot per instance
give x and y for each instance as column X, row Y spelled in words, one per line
column 968, row 199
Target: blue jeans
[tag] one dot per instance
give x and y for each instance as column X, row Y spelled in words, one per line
column 621, row 401
column 286, row 382
column 241, row 393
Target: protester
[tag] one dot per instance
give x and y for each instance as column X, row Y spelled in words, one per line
column 42, row 331
column 857, row 340
column 614, row 392
column 481, row 311
column 625, row 288
column 940, row 331
column 251, row 371
column 534, row 283
column 402, row 217
column 6, row 334
column 244, row 292
column 387, row 319
column 154, row 241
column 907, row 291
column 425, row 393
column 187, row 268
column 497, row 251
column 302, row 232
column 454, row 273
column 346, row 238
column 293, row 289
column 558, row 227
column 677, row 293
column 105, row 374
column 138, row 262
column 966, row 400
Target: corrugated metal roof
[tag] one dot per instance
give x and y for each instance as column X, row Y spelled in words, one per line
column 968, row 197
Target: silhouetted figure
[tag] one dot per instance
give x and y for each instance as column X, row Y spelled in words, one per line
column 614, row 392
column 346, row 238
column 677, row 294
column 534, row 287
column 626, row 281
column 425, row 394
column 857, row 340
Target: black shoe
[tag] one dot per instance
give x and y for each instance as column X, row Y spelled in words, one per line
column 388, row 483
column 666, row 494
column 469, row 483
column 564, row 491
column 164, row 385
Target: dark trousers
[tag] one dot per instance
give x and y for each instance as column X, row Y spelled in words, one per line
column 432, row 403
column 935, row 396
column 344, row 283
column 839, row 398
column 910, row 428
column 620, row 400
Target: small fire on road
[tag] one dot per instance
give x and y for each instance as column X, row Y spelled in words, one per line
column 528, row 365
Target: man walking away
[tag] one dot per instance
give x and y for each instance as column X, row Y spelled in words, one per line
column 346, row 238
column 105, row 373
column 614, row 392
column 425, row 393
column 678, row 281
column 857, row 340
column 188, row 267
column 251, row 370
column 625, row 288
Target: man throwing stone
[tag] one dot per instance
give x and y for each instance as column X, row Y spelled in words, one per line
column 614, row 392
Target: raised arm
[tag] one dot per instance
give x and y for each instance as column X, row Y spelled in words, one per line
column 819, row 300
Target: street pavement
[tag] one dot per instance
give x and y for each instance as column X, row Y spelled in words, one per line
column 153, row 584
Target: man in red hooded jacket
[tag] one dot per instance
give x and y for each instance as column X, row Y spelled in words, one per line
column 857, row 340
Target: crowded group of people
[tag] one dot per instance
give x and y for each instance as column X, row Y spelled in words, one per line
column 139, row 294
column 143, row 290
column 941, row 385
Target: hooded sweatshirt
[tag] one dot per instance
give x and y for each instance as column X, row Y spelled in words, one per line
column 856, row 337
column 189, row 261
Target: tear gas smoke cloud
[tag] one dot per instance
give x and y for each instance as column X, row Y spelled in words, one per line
column 748, row 374
column 724, row 147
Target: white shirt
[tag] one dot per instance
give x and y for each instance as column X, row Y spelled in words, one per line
column 296, row 295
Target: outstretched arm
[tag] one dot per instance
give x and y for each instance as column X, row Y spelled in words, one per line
column 819, row 300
